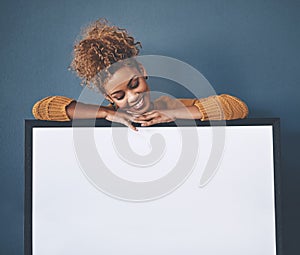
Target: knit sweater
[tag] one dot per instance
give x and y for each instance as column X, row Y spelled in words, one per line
column 215, row 107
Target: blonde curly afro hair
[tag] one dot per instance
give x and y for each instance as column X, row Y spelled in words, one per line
column 101, row 46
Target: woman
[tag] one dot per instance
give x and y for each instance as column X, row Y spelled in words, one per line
column 105, row 60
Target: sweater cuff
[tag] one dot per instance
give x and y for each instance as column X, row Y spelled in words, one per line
column 222, row 107
column 52, row 108
column 210, row 108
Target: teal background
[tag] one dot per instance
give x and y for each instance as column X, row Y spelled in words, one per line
column 249, row 49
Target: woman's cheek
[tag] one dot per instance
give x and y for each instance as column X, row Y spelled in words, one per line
column 121, row 105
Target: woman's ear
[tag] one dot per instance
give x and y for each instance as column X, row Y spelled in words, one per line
column 108, row 98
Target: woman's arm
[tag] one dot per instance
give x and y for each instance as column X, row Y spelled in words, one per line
column 85, row 111
column 60, row 108
column 188, row 112
column 215, row 107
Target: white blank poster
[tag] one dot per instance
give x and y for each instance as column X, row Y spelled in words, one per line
column 234, row 213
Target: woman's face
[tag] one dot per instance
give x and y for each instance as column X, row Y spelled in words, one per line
column 128, row 89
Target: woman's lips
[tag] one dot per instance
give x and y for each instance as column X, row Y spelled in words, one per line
column 139, row 104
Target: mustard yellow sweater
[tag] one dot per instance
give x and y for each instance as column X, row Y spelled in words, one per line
column 215, row 107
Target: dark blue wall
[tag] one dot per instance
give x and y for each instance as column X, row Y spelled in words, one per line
column 246, row 48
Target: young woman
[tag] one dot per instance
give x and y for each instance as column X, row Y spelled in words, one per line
column 104, row 60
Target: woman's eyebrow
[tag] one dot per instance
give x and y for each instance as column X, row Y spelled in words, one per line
column 126, row 85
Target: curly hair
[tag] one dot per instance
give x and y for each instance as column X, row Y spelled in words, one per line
column 101, row 46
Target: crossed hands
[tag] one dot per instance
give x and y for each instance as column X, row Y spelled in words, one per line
column 146, row 119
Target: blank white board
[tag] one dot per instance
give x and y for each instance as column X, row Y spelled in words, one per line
column 236, row 211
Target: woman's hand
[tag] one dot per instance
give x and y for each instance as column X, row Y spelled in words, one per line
column 155, row 117
column 120, row 117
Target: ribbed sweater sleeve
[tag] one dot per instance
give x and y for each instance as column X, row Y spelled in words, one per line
column 222, row 107
column 52, row 108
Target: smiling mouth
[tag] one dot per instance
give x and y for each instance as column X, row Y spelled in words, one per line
column 139, row 104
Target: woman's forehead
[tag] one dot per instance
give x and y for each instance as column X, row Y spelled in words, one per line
column 120, row 78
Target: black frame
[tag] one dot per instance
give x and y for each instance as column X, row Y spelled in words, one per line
column 30, row 124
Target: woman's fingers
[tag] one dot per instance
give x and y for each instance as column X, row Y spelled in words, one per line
column 127, row 122
column 122, row 118
column 147, row 117
column 132, row 127
column 150, row 122
column 152, row 118
column 151, row 112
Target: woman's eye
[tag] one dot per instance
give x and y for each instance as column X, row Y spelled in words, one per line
column 119, row 97
column 135, row 83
